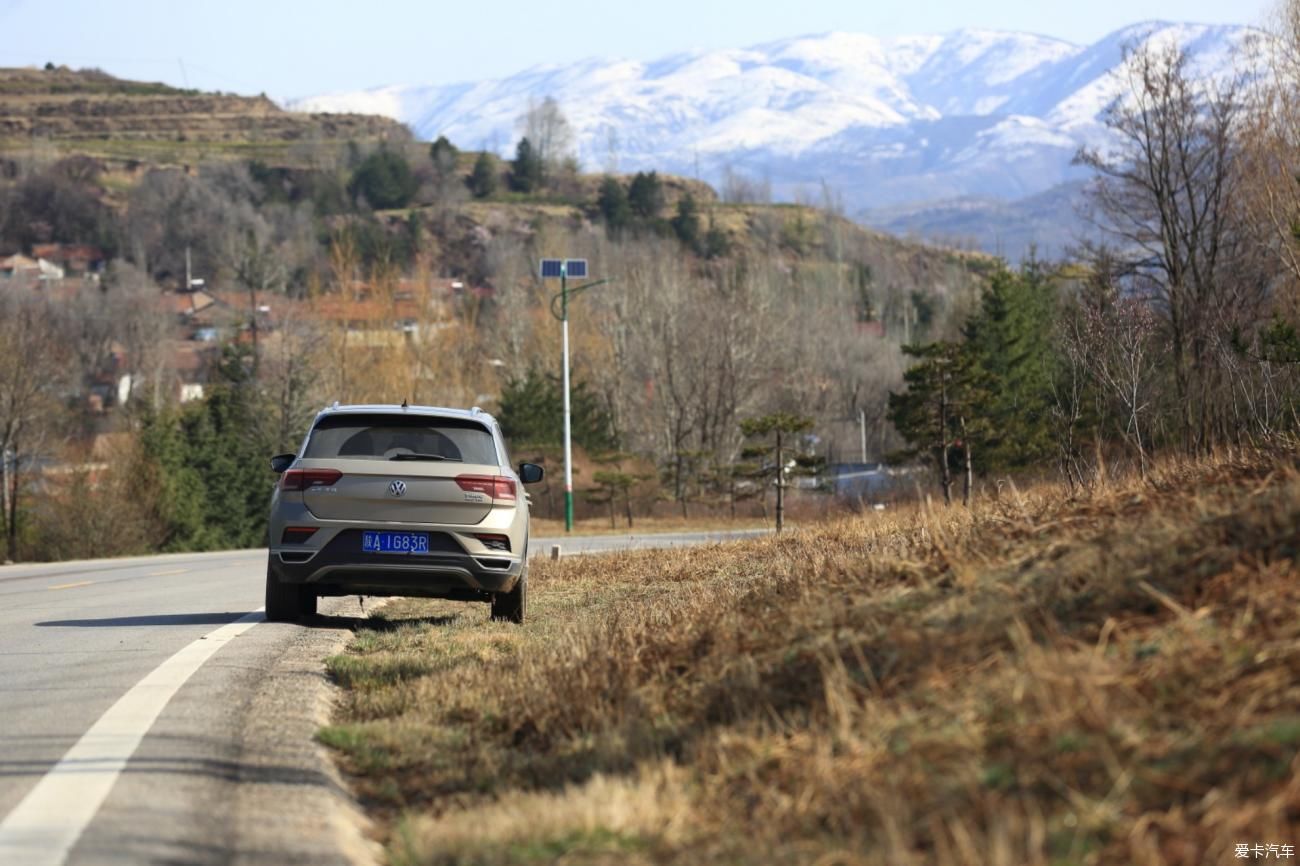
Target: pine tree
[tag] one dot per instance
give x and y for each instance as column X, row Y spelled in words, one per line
column 1279, row 342
column 612, row 203
column 483, row 180
column 1010, row 340
column 646, row 195
column 532, row 413
column 776, row 438
column 686, row 223
column 175, row 485
column 614, row 483
column 443, row 152
column 444, row 156
column 939, row 413
column 385, row 180
column 207, row 464
column 527, row 171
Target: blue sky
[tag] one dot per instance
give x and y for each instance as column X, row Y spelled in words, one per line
column 289, row 49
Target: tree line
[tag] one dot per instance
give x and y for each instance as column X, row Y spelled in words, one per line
column 1176, row 332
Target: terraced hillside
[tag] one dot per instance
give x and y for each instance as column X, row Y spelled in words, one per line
column 91, row 112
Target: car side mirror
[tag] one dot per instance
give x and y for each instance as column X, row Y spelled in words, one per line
column 530, row 473
column 281, row 462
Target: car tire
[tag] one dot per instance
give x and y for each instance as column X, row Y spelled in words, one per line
column 284, row 601
column 306, row 601
column 511, row 606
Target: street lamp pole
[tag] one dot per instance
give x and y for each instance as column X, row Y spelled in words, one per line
column 552, row 268
column 568, row 436
column 4, row 487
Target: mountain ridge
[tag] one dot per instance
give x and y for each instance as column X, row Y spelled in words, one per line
column 886, row 122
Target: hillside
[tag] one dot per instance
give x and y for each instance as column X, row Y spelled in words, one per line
column 123, row 130
column 90, row 112
column 802, row 235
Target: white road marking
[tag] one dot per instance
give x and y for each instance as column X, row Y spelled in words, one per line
column 167, row 573
column 42, row 829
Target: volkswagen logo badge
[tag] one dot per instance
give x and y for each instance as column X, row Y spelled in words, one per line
column 397, row 488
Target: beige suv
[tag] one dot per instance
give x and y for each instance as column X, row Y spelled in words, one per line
column 398, row 500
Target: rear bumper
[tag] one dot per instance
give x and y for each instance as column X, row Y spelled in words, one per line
column 446, row 571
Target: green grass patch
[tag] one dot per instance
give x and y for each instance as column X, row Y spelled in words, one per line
column 353, row 672
column 359, row 745
column 589, row 842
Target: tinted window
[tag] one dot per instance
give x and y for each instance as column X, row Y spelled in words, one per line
column 382, row 437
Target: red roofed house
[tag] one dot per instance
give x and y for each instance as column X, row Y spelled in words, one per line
column 73, row 258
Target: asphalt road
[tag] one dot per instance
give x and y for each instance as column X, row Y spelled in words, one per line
column 148, row 714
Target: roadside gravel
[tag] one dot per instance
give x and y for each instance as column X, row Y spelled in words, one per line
column 293, row 777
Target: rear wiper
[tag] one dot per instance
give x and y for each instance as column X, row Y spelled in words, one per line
column 421, row 457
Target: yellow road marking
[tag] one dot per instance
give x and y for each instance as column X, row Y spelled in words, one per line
column 71, row 585
column 165, row 573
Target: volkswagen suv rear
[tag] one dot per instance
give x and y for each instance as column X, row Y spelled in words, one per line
column 397, row 500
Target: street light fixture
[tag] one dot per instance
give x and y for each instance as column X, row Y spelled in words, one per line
column 563, row 268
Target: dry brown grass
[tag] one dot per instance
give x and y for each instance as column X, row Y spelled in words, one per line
column 1039, row 681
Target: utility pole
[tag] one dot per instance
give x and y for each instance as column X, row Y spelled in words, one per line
column 780, row 483
column 862, row 424
column 564, row 268
column 4, row 499
column 10, row 460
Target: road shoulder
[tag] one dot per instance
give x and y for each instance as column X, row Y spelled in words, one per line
column 230, row 773
column 318, row 822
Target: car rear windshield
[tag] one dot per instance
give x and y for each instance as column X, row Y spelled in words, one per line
column 388, row 437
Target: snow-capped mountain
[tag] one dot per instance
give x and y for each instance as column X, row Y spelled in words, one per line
column 884, row 122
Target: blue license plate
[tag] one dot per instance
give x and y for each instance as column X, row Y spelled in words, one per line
column 394, row 542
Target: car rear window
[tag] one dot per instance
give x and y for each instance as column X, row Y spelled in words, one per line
column 383, row 437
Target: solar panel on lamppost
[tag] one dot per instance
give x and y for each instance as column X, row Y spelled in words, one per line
column 562, row 269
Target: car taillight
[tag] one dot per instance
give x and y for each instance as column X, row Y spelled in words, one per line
column 496, row 486
column 302, row 479
column 505, row 489
column 297, row 534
